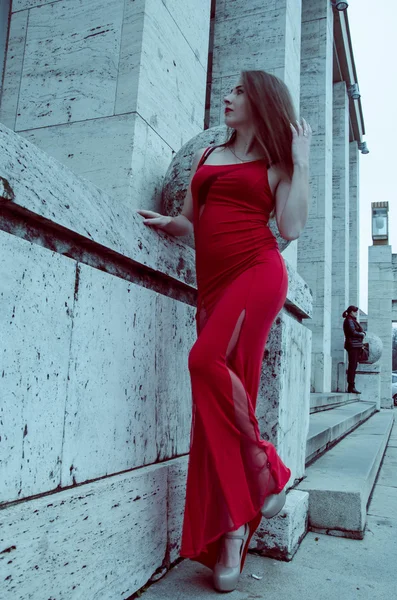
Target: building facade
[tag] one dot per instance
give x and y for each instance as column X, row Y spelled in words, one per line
column 99, row 311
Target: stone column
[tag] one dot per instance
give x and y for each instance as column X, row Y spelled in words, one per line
column 340, row 231
column 380, row 295
column 261, row 36
column 124, row 86
column 354, row 241
column 315, row 244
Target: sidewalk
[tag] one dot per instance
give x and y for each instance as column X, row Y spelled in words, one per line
column 324, row 568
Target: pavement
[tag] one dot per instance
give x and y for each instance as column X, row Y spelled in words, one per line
column 324, row 567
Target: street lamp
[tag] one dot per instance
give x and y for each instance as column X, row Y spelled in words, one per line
column 363, row 147
column 380, row 223
column 339, row 5
column 354, row 92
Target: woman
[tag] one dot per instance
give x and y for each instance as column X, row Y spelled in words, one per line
column 354, row 336
column 234, row 477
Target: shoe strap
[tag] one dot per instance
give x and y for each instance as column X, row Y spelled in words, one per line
column 230, row 535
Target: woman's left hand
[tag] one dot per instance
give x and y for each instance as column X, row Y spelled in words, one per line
column 301, row 139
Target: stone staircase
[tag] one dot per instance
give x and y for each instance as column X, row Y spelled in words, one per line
column 345, row 446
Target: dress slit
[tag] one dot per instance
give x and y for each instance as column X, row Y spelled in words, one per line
column 242, row 285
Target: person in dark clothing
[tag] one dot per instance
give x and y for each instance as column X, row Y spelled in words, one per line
column 354, row 337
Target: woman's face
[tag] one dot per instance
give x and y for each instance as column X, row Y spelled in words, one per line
column 354, row 313
column 236, row 107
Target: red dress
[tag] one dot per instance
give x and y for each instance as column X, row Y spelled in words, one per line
column 242, row 285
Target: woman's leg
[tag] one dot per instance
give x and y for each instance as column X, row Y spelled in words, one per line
column 231, row 470
column 352, row 366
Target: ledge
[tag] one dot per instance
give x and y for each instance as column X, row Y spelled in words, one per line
column 44, row 195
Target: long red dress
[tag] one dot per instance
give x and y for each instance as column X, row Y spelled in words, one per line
column 242, row 285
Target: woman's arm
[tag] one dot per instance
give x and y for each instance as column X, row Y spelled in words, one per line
column 292, row 195
column 181, row 224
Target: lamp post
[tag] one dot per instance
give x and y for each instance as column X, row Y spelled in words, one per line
column 380, row 223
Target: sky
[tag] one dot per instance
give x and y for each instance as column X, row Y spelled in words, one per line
column 373, row 30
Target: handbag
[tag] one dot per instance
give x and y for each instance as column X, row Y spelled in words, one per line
column 364, row 353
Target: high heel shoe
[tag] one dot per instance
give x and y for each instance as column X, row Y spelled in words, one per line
column 225, row 579
column 273, row 504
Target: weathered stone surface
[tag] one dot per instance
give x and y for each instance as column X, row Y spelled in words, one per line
column 168, row 89
column 340, row 225
column 24, row 4
column 36, row 309
column 70, row 63
column 176, row 180
column 48, row 189
column 315, row 243
column 381, row 292
column 354, row 223
column 280, row 537
column 340, row 482
column 283, row 399
column 129, row 400
column 13, row 69
column 101, row 540
column 130, row 167
column 175, row 334
column 375, row 347
column 367, row 381
column 177, row 473
column 299, row 298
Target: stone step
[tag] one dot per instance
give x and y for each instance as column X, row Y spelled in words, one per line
column 326, row 401
column 328, row 427
column 340, row 482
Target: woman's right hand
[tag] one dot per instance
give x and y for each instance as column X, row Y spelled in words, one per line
column 154, row 219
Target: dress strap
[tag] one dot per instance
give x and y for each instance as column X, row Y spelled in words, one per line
column 205, row 155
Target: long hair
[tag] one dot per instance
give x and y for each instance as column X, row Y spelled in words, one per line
column 348, row 310
column 272, row 111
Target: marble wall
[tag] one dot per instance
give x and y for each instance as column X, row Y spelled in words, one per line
column 381, row 287
column 315, row 244
column 354, row 226
column 340, row 231
column 110, row 94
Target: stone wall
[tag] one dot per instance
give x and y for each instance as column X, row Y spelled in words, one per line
column 381, row 287
column 340, row 231
column 99, row 314
column 315, row 244
column 109, row 93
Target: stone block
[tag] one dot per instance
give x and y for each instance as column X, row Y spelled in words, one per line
column 177, row 474
column 283, row 399
column 263, row 48
column 24, row 4
column 175, row 335
column 13, row 69
column 192, row 18
column 132, row 172
column 321, row 369
column 101, row 540
column 51, row 191
column 70, row 63
column 368, row 382
column 36, row 310
column 129, row 399
column 280, row 537
column 172, row 80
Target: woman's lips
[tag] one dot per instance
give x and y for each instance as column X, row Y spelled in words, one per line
column 228, row 110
